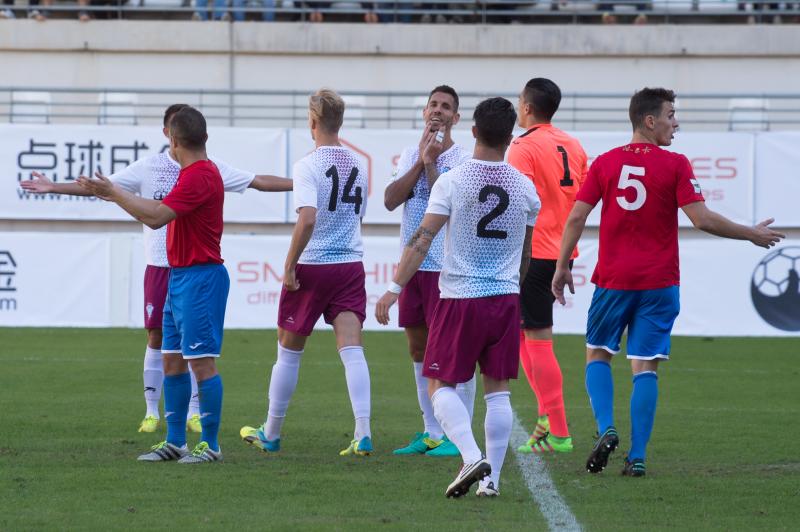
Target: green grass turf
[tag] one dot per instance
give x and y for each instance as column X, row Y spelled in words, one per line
column 723, row 454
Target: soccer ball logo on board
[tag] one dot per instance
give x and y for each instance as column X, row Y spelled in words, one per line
column 775, row 288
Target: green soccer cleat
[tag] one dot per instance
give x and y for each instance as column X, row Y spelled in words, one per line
column 164, row 452
column 633, row 468
column 149, row 424
column 361, row 447
column 541, row 430
column 193, row 424
column 419, row 445
column 201, row 454
column 256, row 437
column 445, row 448
column 552, row 444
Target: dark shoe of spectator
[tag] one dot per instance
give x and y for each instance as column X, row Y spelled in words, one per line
column 640, row 20
column 7, row 13
column 84, row 16
column 37, row 15
column 608, row 18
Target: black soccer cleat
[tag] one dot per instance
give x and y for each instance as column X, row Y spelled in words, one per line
column 467, row 476
column 603, row 447
column 633, row 468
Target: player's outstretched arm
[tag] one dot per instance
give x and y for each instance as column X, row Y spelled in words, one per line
column 576, row 222
column 271, row 183
column 303, row 229
column 413, row 255
column 41, row 184
column 714, row 223
column 152, row 213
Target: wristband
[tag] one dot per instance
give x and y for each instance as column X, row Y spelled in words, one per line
column 394, row 288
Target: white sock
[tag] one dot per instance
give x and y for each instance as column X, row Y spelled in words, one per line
column 466, row 391
column 432, row 426
column 498, row 431
column 454, row 419
column 281, row 388
column 357, row 374
column 153, row 377
column 194, row 402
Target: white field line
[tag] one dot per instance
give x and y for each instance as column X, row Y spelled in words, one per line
column 534, row 472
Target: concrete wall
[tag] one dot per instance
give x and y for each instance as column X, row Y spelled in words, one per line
column 218, row 55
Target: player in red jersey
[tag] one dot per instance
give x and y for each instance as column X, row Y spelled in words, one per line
column 194, row 311
column 557, row 165
column 642, row 187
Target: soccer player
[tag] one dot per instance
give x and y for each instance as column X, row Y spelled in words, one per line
column 154, row 177
column 194, row 312
column 490, row 209
column 556, row 163
column 417, row 170
column 637, row 276
column 324, row 275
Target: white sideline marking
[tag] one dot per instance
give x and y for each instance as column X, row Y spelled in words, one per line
column 534, row 471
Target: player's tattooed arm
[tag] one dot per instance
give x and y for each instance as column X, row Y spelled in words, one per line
column 525, row 260
column 421, row 240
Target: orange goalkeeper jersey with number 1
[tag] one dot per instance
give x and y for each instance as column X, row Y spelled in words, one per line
column 557, row 165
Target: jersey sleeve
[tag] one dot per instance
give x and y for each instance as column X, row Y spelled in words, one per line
column 584, row 173
column 233, row 179
column 404, row 164
column 591, row 191
column 440, row 201
column 305, row 191
column 534, row 204
column 132, row 176
column 187, row 195
column 520, row 158
column 687, row 189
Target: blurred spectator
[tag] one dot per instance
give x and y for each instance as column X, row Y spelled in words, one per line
column 316, row 15
column 220, row 12
column 33, row 11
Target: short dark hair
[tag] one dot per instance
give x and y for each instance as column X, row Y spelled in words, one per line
column 648, row 102
column 494, row 121
column 544, row 96
column 188, row 128
column 447, row 89
column 171, row 110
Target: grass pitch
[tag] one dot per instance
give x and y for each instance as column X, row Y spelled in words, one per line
column 724, row 452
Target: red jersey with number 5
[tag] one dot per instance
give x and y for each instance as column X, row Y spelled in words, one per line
column 642, row 188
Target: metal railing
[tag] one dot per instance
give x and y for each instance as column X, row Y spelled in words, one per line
column 373, row 109
column 484, row 12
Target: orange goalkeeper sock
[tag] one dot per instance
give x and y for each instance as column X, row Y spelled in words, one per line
column 547, row 374
column 527, row 367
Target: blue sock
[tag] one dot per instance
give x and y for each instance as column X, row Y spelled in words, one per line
column 177, row 393
column 600, row 387
column 643, row 411
column 210, row 409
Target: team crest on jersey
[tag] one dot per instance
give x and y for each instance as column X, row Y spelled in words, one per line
column 149, row 309
column 696, row 186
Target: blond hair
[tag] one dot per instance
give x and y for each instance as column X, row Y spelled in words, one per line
column 327, row 108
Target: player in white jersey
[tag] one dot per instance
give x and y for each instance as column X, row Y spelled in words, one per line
column 490, row 209
column 417, row 170
column 154, row 177
column 324, row 275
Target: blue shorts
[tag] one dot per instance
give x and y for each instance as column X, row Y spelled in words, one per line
column 648, row 315
column 194, row 312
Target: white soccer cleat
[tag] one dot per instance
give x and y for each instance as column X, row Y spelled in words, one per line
column 200, row 454
column 164, row 452
column 469, row 474
column 486, row 489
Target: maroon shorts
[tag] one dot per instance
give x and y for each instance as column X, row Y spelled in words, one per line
column 156, row 279
column 325, row 290
column 418, row 300
column 464, row 332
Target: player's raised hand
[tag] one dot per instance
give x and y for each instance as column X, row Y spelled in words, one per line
column 427, row 134
column 562, row 277
column 382, row 308
column 102, row 187
column 433, row 148
column 765, row 236
column 290, row 281
column 39, row 185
